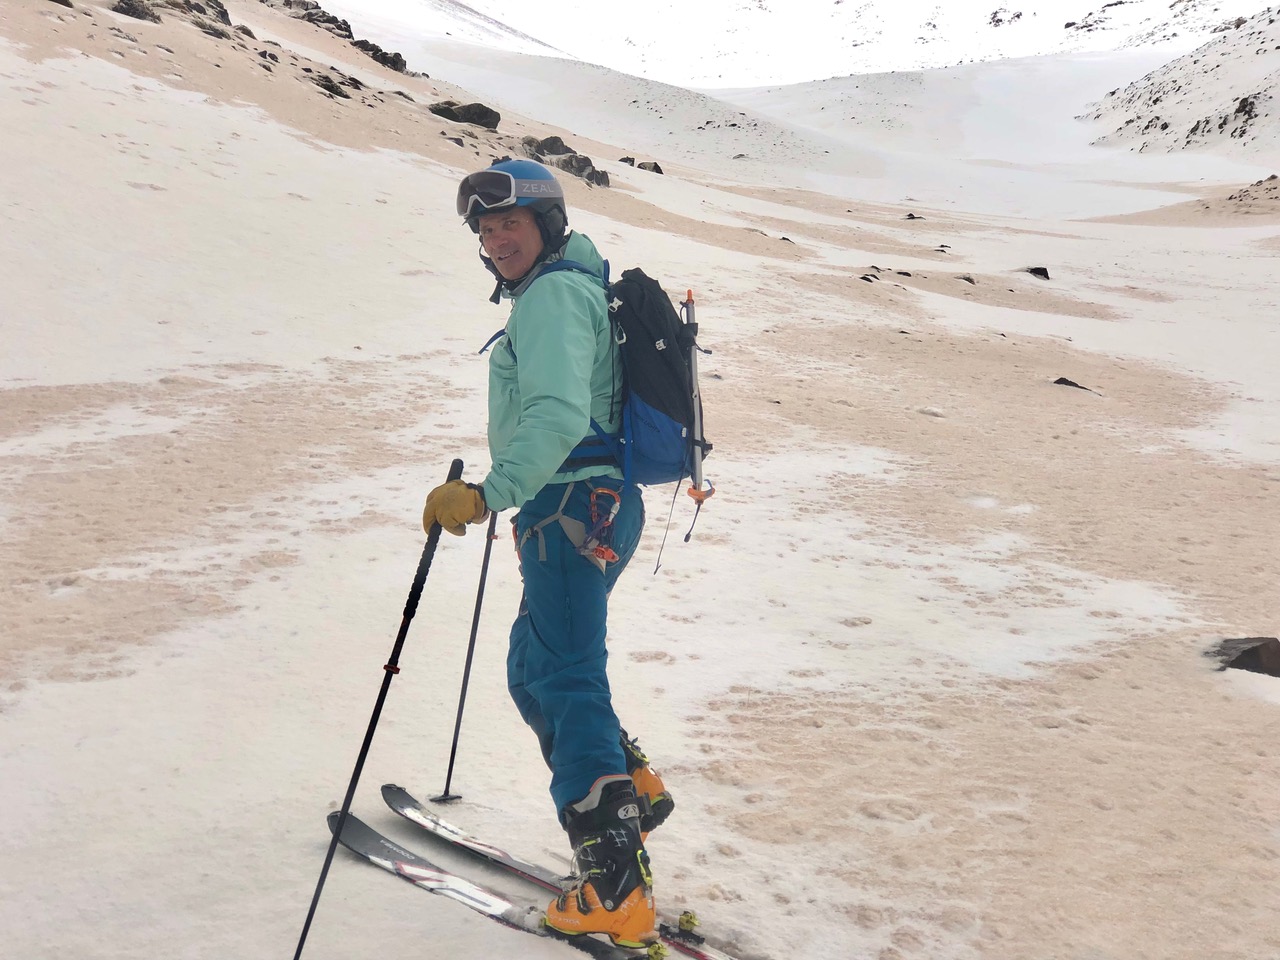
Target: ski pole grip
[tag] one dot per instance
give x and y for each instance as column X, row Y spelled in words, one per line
column 428, row 553
column 433, row 535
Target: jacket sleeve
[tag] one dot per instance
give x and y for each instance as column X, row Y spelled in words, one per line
column 554, row 340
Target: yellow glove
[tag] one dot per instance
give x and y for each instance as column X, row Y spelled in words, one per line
column 453, row 505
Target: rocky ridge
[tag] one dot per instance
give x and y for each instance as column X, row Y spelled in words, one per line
column 1225, row 93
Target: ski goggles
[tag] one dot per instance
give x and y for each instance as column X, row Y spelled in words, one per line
column 497, row 189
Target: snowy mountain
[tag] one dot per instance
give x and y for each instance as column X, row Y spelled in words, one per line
column 1225, row 93
column 719, row 43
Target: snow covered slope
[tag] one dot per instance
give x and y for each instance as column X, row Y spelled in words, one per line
column 718, row 43
column 1224, row 94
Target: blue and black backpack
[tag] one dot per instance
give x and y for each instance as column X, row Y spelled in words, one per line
column 661, row 439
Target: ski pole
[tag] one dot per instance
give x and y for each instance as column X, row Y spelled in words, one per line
column 446, row 796
column 390, row 669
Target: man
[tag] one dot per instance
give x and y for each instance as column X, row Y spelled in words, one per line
column 554, row 370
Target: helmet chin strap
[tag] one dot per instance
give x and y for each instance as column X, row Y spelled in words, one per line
column 549, row 248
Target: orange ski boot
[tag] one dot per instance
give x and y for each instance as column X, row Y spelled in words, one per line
column 612, row 890
column 648, row 785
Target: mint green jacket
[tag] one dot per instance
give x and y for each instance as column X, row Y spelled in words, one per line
column 556, row 368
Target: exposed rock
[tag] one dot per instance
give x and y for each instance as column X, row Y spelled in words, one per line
column 1255, row 654
column 1223, row 92
column 967, row 279
column 138, row 9
column 242, row 29
column 629, row 161
column 219, row 12
column 65, row 3
column 577, row 164
column 1263, row 190
column 312, row 12
column 554, row 146
column 476, row 113
column 1064, row 382
column 650, row 165
column 555, row 153
column 1041, row 272
column 327, row 21
column 393, row 61
column 913, row 216
column 212, row 29
column 330, row 86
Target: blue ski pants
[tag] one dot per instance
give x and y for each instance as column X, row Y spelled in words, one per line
column 556, row 663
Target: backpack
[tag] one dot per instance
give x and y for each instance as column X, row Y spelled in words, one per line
column 661, row 439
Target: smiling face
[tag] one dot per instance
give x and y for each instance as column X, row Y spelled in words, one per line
column 511, row 239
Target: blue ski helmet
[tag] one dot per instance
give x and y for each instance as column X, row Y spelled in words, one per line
column 515, row 183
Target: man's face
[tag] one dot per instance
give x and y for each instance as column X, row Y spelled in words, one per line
column 511, row 239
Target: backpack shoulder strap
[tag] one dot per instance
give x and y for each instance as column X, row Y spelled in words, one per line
column 579, row 267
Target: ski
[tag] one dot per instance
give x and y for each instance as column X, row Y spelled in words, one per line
column 677, row 933
column 361, row 839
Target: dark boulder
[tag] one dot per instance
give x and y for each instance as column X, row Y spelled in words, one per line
column 1064, row 382
column 1255, row 654
column 554, row 147
column 650, row 165
column 629, row 161
column 1041, row 272
column 575, row 163
column 476, row 113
